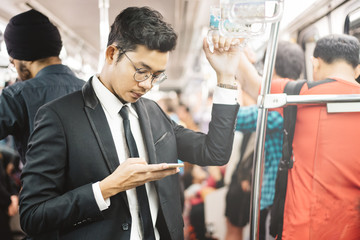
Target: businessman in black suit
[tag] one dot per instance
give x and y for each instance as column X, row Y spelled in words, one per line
column 83, row 180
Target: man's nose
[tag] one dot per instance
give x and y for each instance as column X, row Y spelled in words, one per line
column 147, row 84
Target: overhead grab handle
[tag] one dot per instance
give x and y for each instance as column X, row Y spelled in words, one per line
column 248, row 18
column 252, row 11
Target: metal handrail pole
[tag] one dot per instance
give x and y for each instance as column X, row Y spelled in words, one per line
column 260, row 132
column 282, row 99
column 331, row 98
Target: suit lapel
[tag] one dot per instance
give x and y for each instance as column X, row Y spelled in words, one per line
column 99, row 125
column 101, row 130
column 146, row 130
column 103, row 135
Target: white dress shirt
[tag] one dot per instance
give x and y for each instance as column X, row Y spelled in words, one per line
column 112, row 105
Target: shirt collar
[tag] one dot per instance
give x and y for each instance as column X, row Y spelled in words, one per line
column 108, row 100
column 55, row 68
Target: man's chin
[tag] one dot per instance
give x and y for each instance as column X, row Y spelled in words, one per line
column 129, row 100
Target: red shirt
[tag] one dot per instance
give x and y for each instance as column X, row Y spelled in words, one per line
column 323, row 190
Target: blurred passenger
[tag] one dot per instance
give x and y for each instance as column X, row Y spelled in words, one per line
column 199, row 183
column 289, row 63
column 9, row 201
column 202, row 117
column 237, row 208
column 186, row 117
column 194, row 181
column 91, row 167
column 169, row 105
column 33, row 44
column 323, row 187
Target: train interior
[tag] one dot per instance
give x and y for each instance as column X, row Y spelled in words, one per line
column 84, row 25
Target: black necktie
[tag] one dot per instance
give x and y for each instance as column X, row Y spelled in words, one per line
column 145, row 215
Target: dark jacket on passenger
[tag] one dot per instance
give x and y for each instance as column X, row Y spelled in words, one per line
column 20, row 101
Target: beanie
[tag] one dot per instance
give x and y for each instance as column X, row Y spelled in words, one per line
column 31, row 36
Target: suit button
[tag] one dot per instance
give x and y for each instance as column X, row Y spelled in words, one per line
column 125, row 226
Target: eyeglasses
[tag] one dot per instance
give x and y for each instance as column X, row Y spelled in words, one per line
column 142, row 74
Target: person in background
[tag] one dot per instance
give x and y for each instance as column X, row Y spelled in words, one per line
column 323, row 187
column 33, row 44
column 185, row 116
column 289, row 64
column 202, row 116
column 169, row 105
column 199, row 182
column 9, row 201
column 100, row 157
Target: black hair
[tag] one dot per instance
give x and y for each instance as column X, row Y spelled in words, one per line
column 290, row 60
column 338, row 47
column 142, row 26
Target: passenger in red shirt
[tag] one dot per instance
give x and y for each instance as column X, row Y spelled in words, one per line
column 323, row 189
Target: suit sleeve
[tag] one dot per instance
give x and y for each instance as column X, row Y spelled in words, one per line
column 213, row 148
column 45, row 204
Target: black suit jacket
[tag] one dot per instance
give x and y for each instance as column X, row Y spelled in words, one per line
column 71, row 148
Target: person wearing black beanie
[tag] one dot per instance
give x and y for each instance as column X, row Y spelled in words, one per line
column 29, row 37
column 33, row 44
column 42, row 37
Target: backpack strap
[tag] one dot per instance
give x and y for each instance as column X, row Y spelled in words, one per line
column 286, row 162
column 291, row 88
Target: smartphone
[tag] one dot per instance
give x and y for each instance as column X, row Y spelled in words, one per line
column 175, row 165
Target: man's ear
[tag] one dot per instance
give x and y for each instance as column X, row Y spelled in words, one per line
column 357, row 71
column 316, row 63
column 110, row 54
column 31, row 66
column 275, row 74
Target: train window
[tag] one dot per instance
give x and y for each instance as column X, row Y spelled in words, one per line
column 352, row 24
